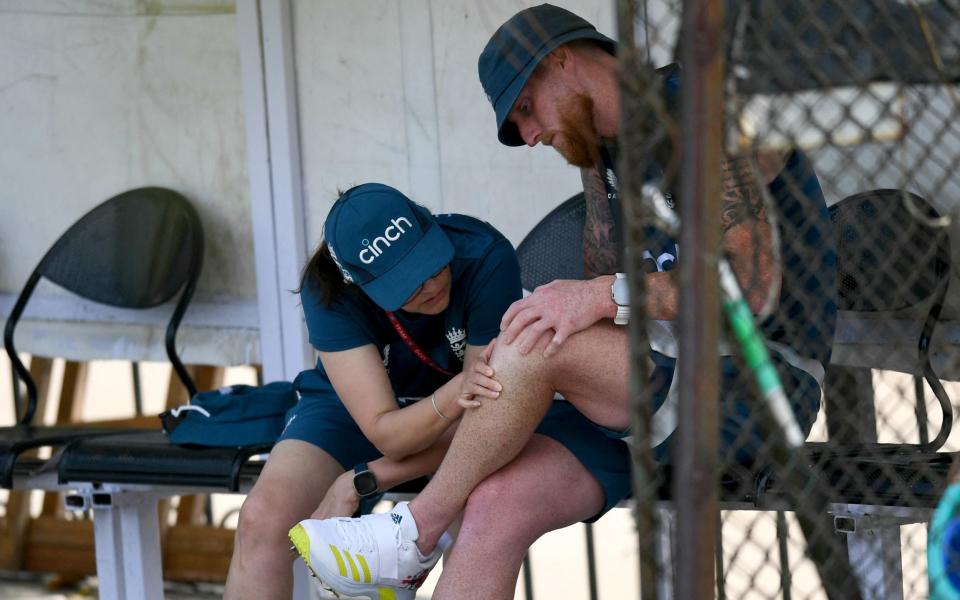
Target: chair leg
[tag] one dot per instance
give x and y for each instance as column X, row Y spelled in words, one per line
column 69, row 410
column 13, row 529
column 16, row 522
column 783, row 534
column 137, row 388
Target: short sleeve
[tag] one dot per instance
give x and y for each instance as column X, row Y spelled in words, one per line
column 495, row 286
column 341, row 325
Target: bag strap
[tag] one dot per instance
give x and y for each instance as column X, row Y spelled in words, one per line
column 417, row 351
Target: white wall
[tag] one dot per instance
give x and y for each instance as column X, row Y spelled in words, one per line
column 100, row 97
column 392, row 95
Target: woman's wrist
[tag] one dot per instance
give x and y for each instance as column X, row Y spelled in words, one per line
column 436, row 409
column 446, row 399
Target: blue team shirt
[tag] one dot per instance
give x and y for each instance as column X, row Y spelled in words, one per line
column 485, row 280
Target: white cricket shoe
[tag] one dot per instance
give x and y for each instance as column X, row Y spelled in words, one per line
column 374, row 557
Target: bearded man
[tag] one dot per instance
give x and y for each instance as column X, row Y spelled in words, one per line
column 552, row 79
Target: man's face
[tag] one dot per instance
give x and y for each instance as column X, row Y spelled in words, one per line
column 549, row 112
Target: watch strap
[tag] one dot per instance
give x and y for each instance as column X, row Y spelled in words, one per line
column 623, row 315
column 362, row 472
column 623, row 304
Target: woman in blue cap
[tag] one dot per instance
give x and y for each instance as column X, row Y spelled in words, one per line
column 396, row 301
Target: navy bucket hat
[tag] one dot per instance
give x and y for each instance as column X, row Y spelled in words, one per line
column 516, row 49
column 385, row 243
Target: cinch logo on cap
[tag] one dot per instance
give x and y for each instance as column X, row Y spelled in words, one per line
column 374, row 249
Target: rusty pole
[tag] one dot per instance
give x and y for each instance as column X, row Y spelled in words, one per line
column 695, row 484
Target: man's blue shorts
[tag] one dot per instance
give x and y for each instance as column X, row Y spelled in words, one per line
column 742, row 435
column 323, row 421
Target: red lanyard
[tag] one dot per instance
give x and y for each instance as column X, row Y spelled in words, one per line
column 413, row 345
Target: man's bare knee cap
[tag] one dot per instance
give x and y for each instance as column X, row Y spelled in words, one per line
column 507, row 361
column 489, row 497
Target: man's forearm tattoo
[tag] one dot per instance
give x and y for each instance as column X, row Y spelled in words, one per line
column 742, row 201
column 599, row 251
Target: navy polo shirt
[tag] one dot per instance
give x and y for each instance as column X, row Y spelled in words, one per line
column 485, row 281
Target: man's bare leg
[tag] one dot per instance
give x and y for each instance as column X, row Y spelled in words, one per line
column 590, row 370
column 292, row 484
column 543, row 489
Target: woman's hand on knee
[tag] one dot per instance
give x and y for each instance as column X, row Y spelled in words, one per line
column 479, row 381
column 341, row 499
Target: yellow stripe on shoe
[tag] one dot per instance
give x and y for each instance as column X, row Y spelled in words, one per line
column 339, row 559
column 387, row 594
column 301, row 541
column 366, row 569
column 353, row 567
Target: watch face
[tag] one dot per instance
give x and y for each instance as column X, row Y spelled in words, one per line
column 621, row 292
column 365, row 483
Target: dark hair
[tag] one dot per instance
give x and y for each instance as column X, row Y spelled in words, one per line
column 324, row 275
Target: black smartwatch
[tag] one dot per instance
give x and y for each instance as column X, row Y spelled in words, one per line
column 364, row 481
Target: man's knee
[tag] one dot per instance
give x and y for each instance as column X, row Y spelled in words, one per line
column 575, row 356
column 496, row 508
column 485, row 499
column 520, row 371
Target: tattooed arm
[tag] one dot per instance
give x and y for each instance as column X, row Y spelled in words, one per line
column 599, row 252
column 747, row 238
column 562, row 308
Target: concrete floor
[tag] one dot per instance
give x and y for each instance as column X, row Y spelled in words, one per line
column 29, row 586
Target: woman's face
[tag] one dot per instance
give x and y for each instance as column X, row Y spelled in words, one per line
column 433, row 296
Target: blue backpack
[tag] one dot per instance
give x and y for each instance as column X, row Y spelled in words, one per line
column 236, row 415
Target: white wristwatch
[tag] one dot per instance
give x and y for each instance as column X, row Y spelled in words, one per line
column 620, row 293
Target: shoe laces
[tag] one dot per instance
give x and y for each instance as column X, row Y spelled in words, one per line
column 357, row 534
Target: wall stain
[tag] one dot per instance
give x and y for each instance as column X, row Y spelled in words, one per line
column 184, row 8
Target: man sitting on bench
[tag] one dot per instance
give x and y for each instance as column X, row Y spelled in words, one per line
column 552, row 79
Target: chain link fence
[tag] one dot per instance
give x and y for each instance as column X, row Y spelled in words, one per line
column 864, row 94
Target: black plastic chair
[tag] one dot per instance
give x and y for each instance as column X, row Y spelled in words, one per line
column 136, row 250
column 554, row 248
column 892, row 257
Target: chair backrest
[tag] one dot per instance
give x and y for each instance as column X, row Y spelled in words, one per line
column 554, row 247
column 136, row 250
column 890, row 253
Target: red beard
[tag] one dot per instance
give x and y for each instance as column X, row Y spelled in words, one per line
column 576, row 139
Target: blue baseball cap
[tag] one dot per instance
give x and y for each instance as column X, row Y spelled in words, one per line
column 386, row 243
column 516, row 49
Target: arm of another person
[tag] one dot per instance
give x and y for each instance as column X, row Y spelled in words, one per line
column 342, row 500
column 564, row 307
column 361, row 382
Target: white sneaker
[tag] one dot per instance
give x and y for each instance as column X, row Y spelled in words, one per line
column 375, row 556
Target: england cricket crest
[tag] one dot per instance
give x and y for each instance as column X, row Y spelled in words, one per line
column 458, row 341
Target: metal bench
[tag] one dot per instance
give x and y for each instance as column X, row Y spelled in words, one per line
column 121, row 477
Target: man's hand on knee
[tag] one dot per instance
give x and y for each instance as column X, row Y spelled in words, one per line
column 556, row 311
